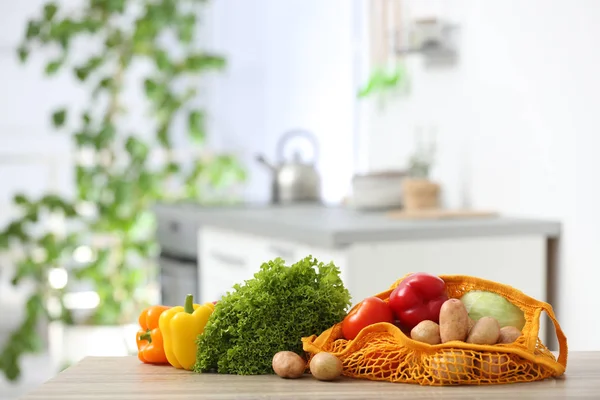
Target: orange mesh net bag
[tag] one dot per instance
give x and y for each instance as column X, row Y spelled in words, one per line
column 383, row 352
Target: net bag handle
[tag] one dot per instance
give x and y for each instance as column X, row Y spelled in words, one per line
column 563, row 348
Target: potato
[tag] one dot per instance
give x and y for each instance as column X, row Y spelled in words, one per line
column 426, row 332
column 454, row 321
column 325, row 366
column 509, row 334
column 492, row 365
column 485, row 331
column 450, row 367
column 471, row 323
column 288, row 364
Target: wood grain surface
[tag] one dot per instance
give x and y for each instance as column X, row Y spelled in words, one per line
column 125, row 378
column 438, row 213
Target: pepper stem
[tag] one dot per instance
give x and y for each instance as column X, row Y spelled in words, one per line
column 189, row 304
column 146, row 336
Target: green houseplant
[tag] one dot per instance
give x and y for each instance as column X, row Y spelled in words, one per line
column 103, row 237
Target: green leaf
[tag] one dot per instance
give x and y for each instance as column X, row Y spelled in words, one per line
column 123, row 192
column 147, row 182
column 91, row 25
column 4, row 241
column 133, row 278
column 84, row 71
column 114, row 39
column 105, row 136
column 158, row 92
column 200, row 62
column 115, row 6
column 81, row 73
column 53, row 66
column 25, row 268
column 185, row 28
column 150, row 87
column 196, row 126
column 108, row 6
column 86, row 118
column 55, row 203
column 16, row 229
column 172, row 168
column 21, row 200
column 83, row 138
column 163, row 136
column 95, row 270
column 137, row 149
column 62, row 32
column 32, row 214
column 23, row 53
column 59, row 117
column 32, row 30
column 50, row 10
column 162, row 61
column 145, row 31
column 105, row 83
column 48, row 241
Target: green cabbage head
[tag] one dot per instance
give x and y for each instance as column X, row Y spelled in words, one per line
column 481, row 303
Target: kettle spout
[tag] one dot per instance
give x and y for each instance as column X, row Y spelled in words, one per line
column 262, row 160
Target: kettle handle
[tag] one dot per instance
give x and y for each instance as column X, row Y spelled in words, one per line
column 281, row 144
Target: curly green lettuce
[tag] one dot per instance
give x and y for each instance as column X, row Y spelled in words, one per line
column 271, row 313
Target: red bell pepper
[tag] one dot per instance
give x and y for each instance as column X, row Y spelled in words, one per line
column 368, row 312
column 417, row 298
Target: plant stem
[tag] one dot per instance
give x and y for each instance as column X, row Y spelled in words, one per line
column 113, row 101
column 146, row 336
column 189, row 304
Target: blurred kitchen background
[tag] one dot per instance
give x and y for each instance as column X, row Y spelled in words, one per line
column 388, row 136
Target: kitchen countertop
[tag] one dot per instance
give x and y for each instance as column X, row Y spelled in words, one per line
column 338, row 226
column 126, row 378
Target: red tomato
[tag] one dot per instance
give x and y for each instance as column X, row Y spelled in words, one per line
column 368, row 312
column 417, row 298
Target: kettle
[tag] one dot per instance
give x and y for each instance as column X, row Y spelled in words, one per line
column 294, row 181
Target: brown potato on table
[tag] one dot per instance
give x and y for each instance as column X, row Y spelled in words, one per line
column 454, row 321
column 288, row 364
column 325, row 366
column 426, row 332
column 485, row 331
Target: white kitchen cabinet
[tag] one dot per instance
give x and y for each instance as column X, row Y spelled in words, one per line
column 228, row 257
column 225, row 258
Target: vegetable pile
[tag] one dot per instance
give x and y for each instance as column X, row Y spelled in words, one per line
column 420, row 306
column 257, row 327
column 271, row 313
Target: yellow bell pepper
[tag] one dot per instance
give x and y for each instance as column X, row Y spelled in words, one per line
column 180, row 327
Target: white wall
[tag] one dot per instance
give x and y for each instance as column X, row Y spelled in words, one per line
column 518, row 124
column 290, row 65
column 33, row 158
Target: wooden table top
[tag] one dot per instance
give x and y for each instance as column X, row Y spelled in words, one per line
column 125, row 378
